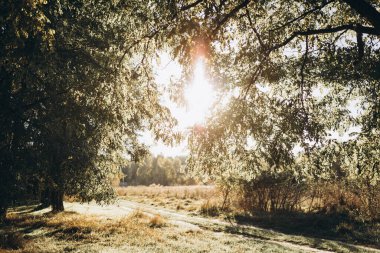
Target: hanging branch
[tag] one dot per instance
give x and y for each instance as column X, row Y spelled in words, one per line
column 302, row 71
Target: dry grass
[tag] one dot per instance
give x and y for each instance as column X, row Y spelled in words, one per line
column 73, row 226
column 157, row 221
column 207, row 201
column 73, row 229
column 210, row 208
column 181, row 198
column 142, row 232
column 138, row 232
column 181, row 192
column 12, row 241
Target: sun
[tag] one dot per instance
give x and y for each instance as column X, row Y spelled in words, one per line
column 199, row 94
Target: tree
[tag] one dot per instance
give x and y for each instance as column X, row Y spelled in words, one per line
column 157, row 170
column 21, row 32
column 296, row 67
column 76, row 90
column 281, row 57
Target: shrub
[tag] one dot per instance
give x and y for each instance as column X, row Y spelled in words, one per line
column 272, row 192
column 209, row 208
column 350, row 197
column 156, row 221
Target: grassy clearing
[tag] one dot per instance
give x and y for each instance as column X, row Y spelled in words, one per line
column 72, row 232
column 148, row 232
column 65, row 231
column 206, row 201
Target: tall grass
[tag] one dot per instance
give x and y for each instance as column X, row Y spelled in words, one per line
column 181, row 192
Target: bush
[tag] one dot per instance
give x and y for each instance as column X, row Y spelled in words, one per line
column 353, row 198
column 209, row 208
column 271, row 192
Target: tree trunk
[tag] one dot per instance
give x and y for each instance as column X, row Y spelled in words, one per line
column 3, row 214
column 45, row 198
column 57, row 201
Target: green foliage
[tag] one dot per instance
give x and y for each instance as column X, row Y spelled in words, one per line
column 279, row 57
column 75, row 94
column 77, row 88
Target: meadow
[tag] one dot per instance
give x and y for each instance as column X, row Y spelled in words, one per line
column 178, row 219
column 209, row 201
column 136, row 232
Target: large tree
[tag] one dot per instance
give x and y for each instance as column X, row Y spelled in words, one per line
column 76, row 89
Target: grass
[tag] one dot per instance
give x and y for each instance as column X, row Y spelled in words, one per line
column 180, row 198
column 146, row 232
column 334, row 227
column 137, row 232
column 56, row 232
column 12, row 241
column 157, row 221
column 210, row 208
column 206, row 201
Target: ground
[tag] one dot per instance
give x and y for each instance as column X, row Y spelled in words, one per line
column 129, row 226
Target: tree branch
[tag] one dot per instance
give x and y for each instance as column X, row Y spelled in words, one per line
column 189, row 6
column 302, row 71
column 230, row 14
column 254, row 29
column 367, row 11
column 253, row 79
column 147, row 36
column 303, row 15
column 356, row 28
column 154, row 33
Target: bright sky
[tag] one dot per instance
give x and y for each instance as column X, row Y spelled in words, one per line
column 199, row 95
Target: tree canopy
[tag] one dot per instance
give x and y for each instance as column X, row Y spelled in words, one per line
column 297, row 72
column 77, row 87
column 74, row 96
column 296, row 65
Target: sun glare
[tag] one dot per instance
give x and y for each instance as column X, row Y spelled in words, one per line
column 199, row 94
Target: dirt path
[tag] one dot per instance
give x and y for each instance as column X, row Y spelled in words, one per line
column 187, row 222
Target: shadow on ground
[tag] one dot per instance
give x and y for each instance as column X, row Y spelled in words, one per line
column 337, row 227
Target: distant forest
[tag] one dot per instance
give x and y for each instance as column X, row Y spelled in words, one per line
column 158, row 170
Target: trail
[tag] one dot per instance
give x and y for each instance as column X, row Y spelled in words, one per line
column 187, row 222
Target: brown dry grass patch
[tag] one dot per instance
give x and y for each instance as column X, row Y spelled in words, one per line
column 30, row 233
column 180, row 198
column 157, row 221
column 180, row 192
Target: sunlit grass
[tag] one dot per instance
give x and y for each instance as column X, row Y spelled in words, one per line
column 299, row 228
column 187, row 198
column 137, row 232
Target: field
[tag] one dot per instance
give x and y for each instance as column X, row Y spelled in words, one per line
column 208, row 201
column 167, row 219
column 181, row 198
column 136, row 232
